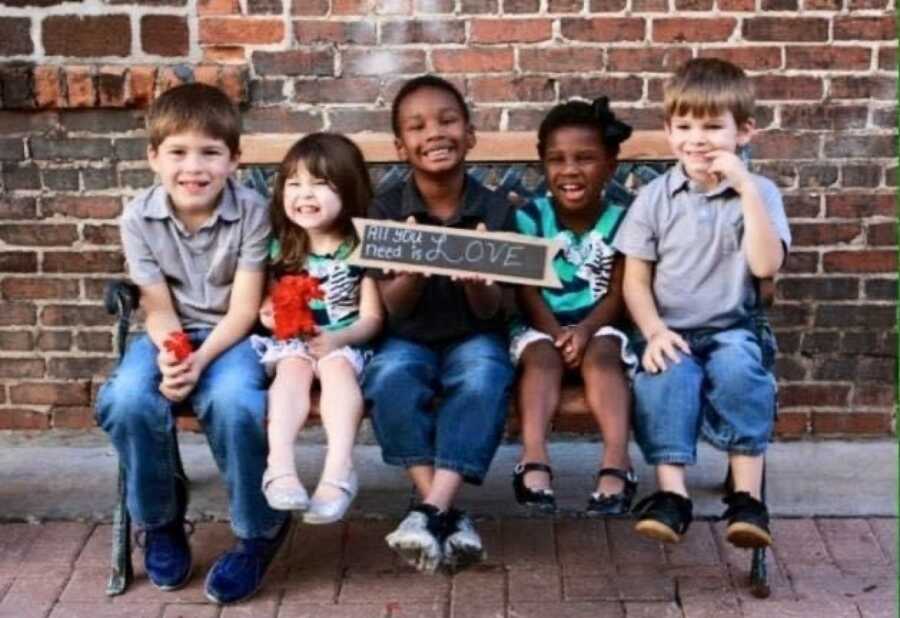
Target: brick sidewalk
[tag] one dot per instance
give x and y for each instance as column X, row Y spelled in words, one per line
column 537, row 568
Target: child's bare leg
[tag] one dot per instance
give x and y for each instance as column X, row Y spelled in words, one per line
column 288, row 409
column 422, row 477
column 609, row 399
column 747, row 472
column 670, row 477
column 444, row 487
column 341, row 408
column 538, row 398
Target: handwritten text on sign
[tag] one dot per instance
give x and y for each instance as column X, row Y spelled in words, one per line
column 501, row 256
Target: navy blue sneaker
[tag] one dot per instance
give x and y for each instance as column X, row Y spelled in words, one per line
column 238, row 573
column 167, row 554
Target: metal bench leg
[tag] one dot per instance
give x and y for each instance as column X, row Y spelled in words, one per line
column 759, row 575
column 122, row 572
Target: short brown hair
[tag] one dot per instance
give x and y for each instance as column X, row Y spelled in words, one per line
column 709, row 86
column 195, row 107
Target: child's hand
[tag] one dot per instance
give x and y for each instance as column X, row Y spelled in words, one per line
column 322, row 344
column 662, row 344
column 727, row 165
column 267, row 313
column 474, row 279
column 178, row 378
column 571, row 344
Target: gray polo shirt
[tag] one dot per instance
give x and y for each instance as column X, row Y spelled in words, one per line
column 198, row 266
column 701, row 277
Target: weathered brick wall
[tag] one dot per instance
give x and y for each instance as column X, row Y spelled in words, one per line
column 74, row 78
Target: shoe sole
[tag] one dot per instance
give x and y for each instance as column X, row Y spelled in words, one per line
column 658, row 531
column 178, row 586
column 463, row 558
column 412, row 555
column 747, row 536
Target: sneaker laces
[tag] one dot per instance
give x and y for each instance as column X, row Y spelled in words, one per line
column 163, row 532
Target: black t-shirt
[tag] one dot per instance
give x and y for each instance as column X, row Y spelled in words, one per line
column 442, row 313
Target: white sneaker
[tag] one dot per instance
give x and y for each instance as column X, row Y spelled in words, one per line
column 462, row 547
column 280, row 498
column 416, row 539
column 330, row 511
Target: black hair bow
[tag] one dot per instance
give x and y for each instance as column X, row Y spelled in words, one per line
column 614, row 130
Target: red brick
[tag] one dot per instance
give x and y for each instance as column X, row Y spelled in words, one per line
column 246, row 31
column 863, row 87
column 225, row 54
column 72, row 417
column 811, row 234
column 851, row 541
column 518, row 7
column 31, row 288
column 779, row 5
column 887, row 58
column 649, row 6
column 860, row 261
column 17, row 314
column 785, row 145
column 15, row 36
column 60, row 393
column 693, row 5
column 111, row 82
column 345, row 90
column 53, row 340
column 828, row 58
column 534, row 584
column 824, row 117
column 823, row 5
column 882, row 234
column 318, row 62
column 860, row 175
column 18, row 261
column 649, row 59
column 792, row 424
column 165, row 35
column 47, row 90
column 142, row 81
column 434, row 6
column 279, row 119
column 79, row 368
column 515, row 89
column 853, row 205
column 22, row 419
column 15, row 340
column 72, row 315
column 788, row 29
column 351, row 7
column 817, row 176
column 473, row 60
column 617, row 89
column 94, row 341
column 86, row 36
column 818, row 288
column 393, row 7
column 568, row 6
column 561, row 60
column 865, row 28
column 748, row 58
column 42, row 235
column 233, row 82
column 784, row 87
column 307, row 31
column 433, row 32
column 866, row 316
column 383, row 62
column 510, row 30
column 736, row 5
column 810, row 395
column 21, row 367
column 220, row 7
column 80, row 87
column 82, row 207
column 603, row 29
column 684, row 30
column 83, row 262
column 873, row 395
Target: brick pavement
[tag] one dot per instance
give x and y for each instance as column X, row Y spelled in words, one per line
column 566, row 568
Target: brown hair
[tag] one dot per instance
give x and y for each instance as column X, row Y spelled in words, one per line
column 709, row 86
column 195, row 107
column 336, row 159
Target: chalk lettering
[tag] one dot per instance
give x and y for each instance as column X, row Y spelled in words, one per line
column 437, row 253
column 475, row 251
column 513, row 257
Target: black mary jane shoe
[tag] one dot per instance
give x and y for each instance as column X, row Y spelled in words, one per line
column 602, row 505
column 541, row 500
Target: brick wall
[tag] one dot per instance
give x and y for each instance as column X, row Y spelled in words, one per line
column 75, row 77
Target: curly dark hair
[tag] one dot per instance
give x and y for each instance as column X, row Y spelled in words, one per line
column 596, row 115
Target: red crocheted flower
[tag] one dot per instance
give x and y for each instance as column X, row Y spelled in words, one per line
column 179, row 344
column 290, row 301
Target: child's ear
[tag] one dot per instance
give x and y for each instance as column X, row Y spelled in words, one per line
column 402, row 153
column 746, row 131
column 153, row 158
column 471, row 140
column 235, row 161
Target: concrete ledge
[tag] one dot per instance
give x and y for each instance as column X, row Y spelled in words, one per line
column 76, row 480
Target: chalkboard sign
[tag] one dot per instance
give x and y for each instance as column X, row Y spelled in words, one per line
column 501, row 256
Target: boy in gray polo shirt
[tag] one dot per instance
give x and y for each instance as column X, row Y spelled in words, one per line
column 196, row 245
column 695, row 239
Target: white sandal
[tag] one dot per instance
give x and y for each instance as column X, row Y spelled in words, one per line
column 330, row 511
column 281, row 499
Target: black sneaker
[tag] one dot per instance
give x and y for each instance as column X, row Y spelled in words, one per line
column 748, row 521
column 462, row 545
column 238, row 573
column 417, row 540
column 664, row 516
column 167, row 553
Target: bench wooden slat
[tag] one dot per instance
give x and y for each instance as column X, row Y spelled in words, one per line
column 492, row 146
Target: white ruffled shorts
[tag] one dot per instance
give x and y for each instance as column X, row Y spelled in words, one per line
column 526, row 336
column 272, row 350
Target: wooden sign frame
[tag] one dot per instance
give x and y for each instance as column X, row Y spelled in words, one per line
column 496, row 247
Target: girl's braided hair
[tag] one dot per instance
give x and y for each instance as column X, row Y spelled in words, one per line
column 596, row 115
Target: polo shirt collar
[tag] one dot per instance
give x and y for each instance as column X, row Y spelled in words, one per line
column 473, row 202
column 678, row 181
column 157, row 204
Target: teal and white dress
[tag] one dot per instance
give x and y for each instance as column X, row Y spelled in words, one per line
column 584, row 266
column 339, row 308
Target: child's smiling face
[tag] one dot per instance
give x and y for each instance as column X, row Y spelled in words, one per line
column 311, row 202
column 434, row 135
column 577, row 167
column 693, row 138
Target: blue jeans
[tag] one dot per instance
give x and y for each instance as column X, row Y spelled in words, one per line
column 724, row 390
column 440, row 405
column 230, row 402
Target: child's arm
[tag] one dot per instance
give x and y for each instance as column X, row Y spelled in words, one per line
column 762, row 245
column 661, row 342
column 156, row 299
column 371, row 317
column 483, row 296
column 243, row 308
column 536, row 311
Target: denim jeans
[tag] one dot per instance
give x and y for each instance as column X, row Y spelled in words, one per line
column 440, row 405
column 230, row 403
column 724, row 390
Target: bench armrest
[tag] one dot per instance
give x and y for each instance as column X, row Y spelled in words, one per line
column 121, row 298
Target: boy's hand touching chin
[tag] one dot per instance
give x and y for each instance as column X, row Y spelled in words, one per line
column 660, row 346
